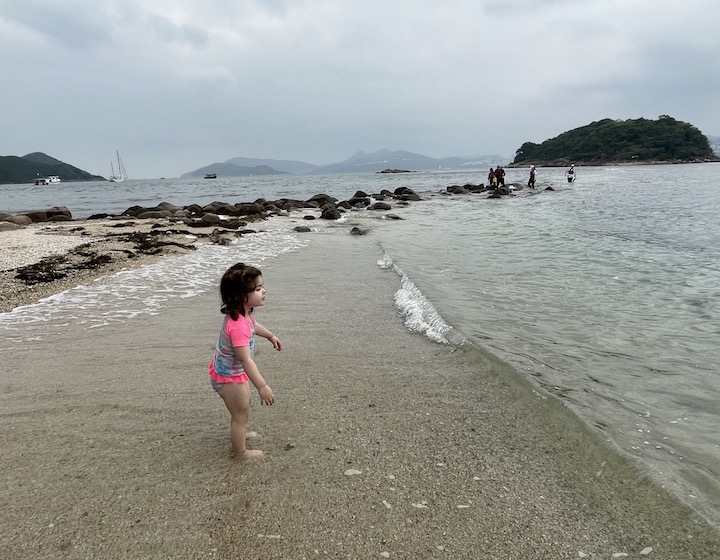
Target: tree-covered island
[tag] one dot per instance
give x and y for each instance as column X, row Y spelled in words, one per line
column 609, row 141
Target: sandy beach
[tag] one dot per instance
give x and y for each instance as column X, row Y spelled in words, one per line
column 382, row 444
column 78, row 252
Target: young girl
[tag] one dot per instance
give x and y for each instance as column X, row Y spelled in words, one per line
column 242, row 290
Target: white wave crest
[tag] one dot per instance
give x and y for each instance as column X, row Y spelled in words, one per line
column 420, row 315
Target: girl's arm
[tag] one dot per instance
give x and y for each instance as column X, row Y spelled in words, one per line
column 266, row 394
column 262, row 331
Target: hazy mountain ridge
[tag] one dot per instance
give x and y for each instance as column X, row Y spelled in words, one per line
column 388, row 159
column 289, row 166
column 360, row 162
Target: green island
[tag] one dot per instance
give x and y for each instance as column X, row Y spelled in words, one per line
column 25, row 169
column 608, row 141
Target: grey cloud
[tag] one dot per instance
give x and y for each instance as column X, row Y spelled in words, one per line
column 66, row 24
column 171, row 32
column 174, row 84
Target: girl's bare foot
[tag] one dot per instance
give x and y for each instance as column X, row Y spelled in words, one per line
column 250, row 454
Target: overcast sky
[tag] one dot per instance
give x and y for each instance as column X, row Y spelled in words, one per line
column 175, row 85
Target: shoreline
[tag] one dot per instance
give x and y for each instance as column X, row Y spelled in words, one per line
column 382, row 442
column 558, row 164
column 55, row 257
column 47, row 251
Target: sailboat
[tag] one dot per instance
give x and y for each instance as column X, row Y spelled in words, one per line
column 122, row 174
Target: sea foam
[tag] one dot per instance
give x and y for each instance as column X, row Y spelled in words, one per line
column 144, row 290
column 420, row 315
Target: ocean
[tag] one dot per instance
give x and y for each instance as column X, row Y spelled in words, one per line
column 604, row 293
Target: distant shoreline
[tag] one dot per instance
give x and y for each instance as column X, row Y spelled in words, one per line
column 607, row 163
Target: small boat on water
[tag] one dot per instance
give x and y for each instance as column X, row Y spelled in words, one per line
column 121, row 173
column 50, row 179
column 211, row 175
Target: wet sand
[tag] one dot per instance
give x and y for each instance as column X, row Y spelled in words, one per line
column 79, row 252
column 381, row 444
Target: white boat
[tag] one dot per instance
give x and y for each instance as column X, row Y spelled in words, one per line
column 47, row 180
column 121, row 173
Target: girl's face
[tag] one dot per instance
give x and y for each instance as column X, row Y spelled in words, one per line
column 256, row 298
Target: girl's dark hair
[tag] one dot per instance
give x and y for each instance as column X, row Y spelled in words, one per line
column 237, row 282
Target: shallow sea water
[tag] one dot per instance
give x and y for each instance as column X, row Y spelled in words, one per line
column 606, row 293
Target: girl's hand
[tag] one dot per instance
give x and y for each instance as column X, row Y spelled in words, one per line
column 275, row 341
column 267, row 398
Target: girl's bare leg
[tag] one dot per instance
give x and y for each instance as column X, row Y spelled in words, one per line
column 237, row 398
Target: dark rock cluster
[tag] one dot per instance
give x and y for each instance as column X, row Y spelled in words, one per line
column 227, row 220
column 54, row 214
column 236, row 216
column 232, row 215
column 493, row 192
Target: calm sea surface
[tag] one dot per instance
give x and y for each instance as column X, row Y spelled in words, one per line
column 605, row 292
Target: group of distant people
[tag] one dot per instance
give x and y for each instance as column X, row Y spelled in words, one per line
column 496, row 177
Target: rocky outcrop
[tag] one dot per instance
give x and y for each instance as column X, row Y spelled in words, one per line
column 16, row 219
column 54, row 214
column 8, row 226
column 467, row 188
column 228, row 215
column 329, row 211
column 406, row 194
column 492, row 192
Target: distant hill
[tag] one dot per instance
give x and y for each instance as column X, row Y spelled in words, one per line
column 25, row 169
column 289, row 166
column 232, row 170
column 618, row 141
column 361, row 162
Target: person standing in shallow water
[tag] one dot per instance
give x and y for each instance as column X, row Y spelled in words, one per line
column 570, row 174
column 500, row 176
column 491, row 179
column 531, row 180
column 242, row 289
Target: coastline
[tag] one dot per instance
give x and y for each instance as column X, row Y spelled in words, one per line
column 456, row 456
column 58, row 256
